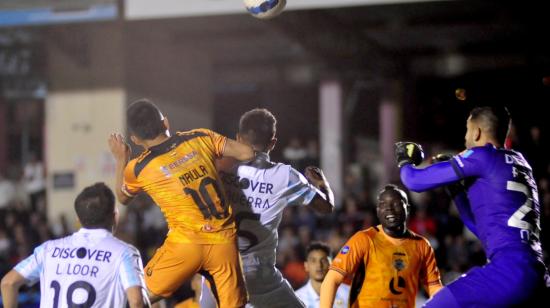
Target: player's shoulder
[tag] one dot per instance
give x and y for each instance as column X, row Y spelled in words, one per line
column 196, row 132
column 53, row 243
column 367, row 234
column 123, row 246
column 422, row 240
column 132, row 163
column 485, row 150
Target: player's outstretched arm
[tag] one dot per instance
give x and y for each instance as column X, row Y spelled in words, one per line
column 10, row 288
column 135, row 297
column 330, row 285
column 322, row 203
column 121, row 153
column 238, row 151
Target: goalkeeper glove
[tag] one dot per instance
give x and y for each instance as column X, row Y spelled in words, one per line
column 408, row 153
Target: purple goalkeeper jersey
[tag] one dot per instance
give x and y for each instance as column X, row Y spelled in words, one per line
column 501, row 207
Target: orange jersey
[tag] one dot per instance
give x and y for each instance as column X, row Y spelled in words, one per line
column 387, row 271
column 180, row 176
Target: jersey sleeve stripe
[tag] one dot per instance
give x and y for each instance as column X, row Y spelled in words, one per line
column 457, row 169
column 339, row 270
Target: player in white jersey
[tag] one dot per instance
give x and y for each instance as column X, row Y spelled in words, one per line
column 259, row 192
column 317, row 265
column 90, row 268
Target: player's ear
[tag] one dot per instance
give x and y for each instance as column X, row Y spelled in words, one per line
column 166, row 123
column 272, row 144
column 477, row 133
column 135, row 140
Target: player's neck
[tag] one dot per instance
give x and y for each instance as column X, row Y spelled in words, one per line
column 316, row 286
column 158, row 140
column 106, row 228
column 396, row 232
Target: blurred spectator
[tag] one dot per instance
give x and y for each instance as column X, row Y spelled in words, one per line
column 293, row 269
column 295, row 153
column 7, row 192
column 312, row 154
column 35, row 183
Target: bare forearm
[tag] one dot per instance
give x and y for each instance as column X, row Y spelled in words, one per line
column 10, row 288
column 119, row 173
column 135, row 297
column 328, row 292
column 9, row 296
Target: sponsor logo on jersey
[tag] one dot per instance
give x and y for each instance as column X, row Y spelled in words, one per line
column 344, row 250
column 468, row 153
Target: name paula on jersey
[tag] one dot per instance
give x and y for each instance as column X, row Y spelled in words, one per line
column 81, row 253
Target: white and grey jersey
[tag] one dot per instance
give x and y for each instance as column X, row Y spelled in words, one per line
column 259, row 193
column 90, row 268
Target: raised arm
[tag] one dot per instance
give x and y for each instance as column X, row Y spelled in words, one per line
column 121, row 153
column 322, row 202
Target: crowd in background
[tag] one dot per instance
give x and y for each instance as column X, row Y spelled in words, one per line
column 23, row 223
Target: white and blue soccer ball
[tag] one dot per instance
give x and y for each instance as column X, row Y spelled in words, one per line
column 264, row 9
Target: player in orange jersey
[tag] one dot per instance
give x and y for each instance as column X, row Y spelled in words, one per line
column 386, row 263
column 178, row 172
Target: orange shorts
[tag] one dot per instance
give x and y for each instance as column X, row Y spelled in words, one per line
column 175, row 263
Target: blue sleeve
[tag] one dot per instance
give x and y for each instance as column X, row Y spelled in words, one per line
column 473, row 162
column 31, row 267
column 299, row 190
column 433, row 176
column 463, row 205
column 131, row 269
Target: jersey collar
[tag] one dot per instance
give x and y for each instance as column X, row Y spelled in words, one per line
column 261, row 161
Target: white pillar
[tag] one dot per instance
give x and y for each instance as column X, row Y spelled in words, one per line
column 330, row 111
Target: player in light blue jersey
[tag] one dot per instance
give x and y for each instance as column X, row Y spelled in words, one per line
column 496, row 196
column 259, row 192
column 90, row 268
column 318, row 258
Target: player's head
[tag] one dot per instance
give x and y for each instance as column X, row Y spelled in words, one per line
column 145, row 121
column 487, row 124
column 317, row 261
column 257, row 128
column 95, row 207
column 392, row 208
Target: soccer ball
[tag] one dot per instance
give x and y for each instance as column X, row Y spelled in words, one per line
column 265, row 9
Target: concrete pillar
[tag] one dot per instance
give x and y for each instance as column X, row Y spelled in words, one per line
column 330, row 111
column 86, row 101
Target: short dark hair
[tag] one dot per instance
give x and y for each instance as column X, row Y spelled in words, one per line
column 259, row 125
column 496, row 120
column 95, row 205
column 145, row 119
column 318, row 246
column 392, row 187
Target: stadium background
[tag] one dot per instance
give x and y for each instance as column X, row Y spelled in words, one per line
column 344, row 78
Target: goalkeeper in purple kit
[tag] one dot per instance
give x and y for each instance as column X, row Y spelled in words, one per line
column 496, row 196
